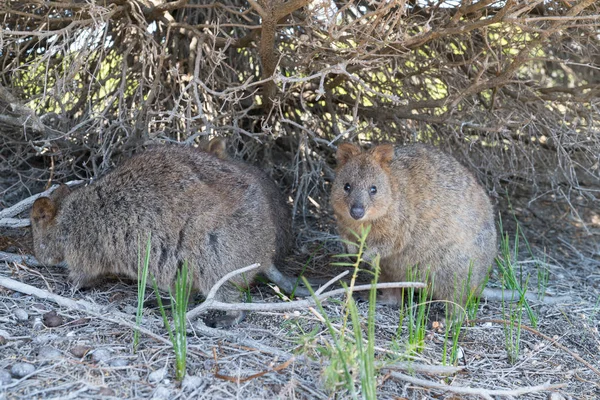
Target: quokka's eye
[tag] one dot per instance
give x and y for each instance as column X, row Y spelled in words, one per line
column 373, row 189
column 347, row 187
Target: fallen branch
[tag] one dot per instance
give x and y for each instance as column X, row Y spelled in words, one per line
column 211, row 304
column 80, row 305
column 238, row 379
column 485, row 393
column 495, row 294
column 424, row 369
column 20, row 259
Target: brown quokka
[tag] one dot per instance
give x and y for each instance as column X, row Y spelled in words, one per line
column 426, row 212
column 213, row 214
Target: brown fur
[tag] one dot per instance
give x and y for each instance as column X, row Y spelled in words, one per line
column 428, row 212
column 212, row 213
column 280, row 217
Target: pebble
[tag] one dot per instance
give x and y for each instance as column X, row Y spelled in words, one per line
column 52, row 319
column 157, row 375
column 49, row 353
column 119, row 362
column 21, row 314
column 556, row 396
column 21, row 369
column 101, row 355
column 80, row 351
column 105, row 391
column 37, row 324
column 45, row 338
column 5, row 377
column 161, row 393
column 191, row 382
column 3, row 337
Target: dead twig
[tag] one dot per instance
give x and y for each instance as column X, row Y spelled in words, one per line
column 485, row 393
column 211, row 304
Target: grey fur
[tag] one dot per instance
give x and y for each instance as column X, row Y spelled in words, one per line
column 215, row 214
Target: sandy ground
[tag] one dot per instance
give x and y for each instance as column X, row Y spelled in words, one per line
column 74, row 354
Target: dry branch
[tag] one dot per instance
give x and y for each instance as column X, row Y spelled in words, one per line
column 211, row 304
column 485, row 393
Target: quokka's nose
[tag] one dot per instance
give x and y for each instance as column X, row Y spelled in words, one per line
column 357, row 211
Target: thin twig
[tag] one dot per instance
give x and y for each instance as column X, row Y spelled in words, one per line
column 485, row 393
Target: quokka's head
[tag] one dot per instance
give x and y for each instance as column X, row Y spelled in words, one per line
column 47, row 244
column 362, row 189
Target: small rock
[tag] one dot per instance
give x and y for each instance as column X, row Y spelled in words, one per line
column 161, row 393
column 119, row 362
column 80, row 351
column 52, row 319
column 104, row 391
column 45, row 338
column 191, row 382
column 3, row 337
column 101, row 355
column 556, row 396
column 129, row 309
column 21, row 369
column 21, row 314
column 37, row 324
column 49, row 353
column 157, row 375
column 5, row 377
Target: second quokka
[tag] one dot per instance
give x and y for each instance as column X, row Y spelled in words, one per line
column 427, row 212
column 213, row 214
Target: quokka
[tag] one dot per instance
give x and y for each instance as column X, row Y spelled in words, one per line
column 427, row 213
column 216, row 215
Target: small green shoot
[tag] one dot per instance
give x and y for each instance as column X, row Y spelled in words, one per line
column 417, row 311
column 177, row 335
column 513, row 312
column 366, row 356
column 506, row 266
column 454, row 321
column 347, row 352
column 141, row 286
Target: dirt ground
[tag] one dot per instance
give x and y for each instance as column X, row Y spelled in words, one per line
column 277, row 355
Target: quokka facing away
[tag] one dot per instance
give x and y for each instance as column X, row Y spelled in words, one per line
column 427, row 212
column 215, row 214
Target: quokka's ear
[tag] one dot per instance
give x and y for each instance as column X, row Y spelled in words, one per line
column 43, row 211
column 218, row 147
column 60, row 194
column 345, row 152
column 383, row 154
